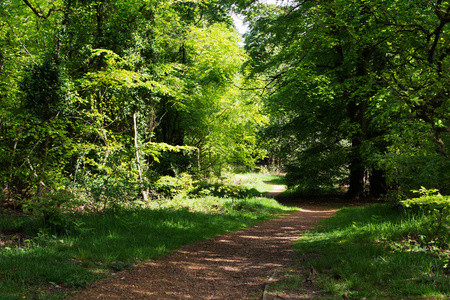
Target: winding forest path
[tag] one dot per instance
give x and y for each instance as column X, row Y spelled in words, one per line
column 230, row 266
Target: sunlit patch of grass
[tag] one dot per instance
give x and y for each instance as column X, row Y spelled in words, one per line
column 258, row 181
column 354, row 259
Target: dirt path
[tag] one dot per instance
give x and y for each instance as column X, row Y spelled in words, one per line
column 231, row 266
column 276, row 190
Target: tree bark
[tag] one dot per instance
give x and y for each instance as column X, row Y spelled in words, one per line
column 357, row 186
column 377, row 183
column 357, row 109
column 138, row 164
column 41, row 185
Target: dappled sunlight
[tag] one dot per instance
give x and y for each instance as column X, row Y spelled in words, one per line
column 230, row 266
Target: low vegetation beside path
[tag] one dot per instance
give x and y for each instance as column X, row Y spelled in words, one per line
column 381, row 251
column 39, row 261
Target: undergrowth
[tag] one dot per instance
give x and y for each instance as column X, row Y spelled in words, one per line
column 42, row 260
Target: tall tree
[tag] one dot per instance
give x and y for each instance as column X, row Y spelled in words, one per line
column 220, row 119
column 328, row 63
column 93, row 91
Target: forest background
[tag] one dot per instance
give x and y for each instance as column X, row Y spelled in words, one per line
column 107, row 106
column 112, row 102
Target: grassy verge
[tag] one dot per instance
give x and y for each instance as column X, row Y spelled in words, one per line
column 42, row 264
column 374, row 252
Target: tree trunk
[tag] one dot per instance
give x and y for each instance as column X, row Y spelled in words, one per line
column 357, row 108
column 358, row 186
column 41, row 185
column 357, row 183
column 138, row 164
column 377, row 183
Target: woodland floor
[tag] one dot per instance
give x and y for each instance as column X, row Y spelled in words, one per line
column 238, row 265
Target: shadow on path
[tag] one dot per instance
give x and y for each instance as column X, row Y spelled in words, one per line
column 230, row 266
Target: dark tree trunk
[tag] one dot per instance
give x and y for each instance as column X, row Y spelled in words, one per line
column 357, row 108
column 358, row 186
column 377, row 183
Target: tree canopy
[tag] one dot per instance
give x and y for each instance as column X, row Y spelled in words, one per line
column 357, row 91
column 108, row 97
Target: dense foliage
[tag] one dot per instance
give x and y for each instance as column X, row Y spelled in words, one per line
column 104, row 98
column 106, row 103
column 358, row 91
column 100, row 99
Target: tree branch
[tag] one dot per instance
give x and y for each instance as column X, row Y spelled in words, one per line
column 20, row 42
column 39, row 12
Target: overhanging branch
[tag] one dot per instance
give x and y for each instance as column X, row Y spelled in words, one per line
column 39, row 12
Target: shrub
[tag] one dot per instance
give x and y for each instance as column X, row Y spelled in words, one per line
column 110, row 190
column 52, row 210
column 437, row 208
column 225, row 190
column 169, row 186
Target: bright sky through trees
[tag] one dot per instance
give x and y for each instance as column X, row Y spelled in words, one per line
column 239, row 19
column 240, row 25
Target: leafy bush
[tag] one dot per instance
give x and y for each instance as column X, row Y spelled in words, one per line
column 169, row 186
column 225, row 190
column 51, row 210
column 247, row 204
column 110, row 190
column 437, row 208
column 410, row 170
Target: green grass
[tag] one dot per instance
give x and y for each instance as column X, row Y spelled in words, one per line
column 257, row 181
column 364, row 253
column 49, row 265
